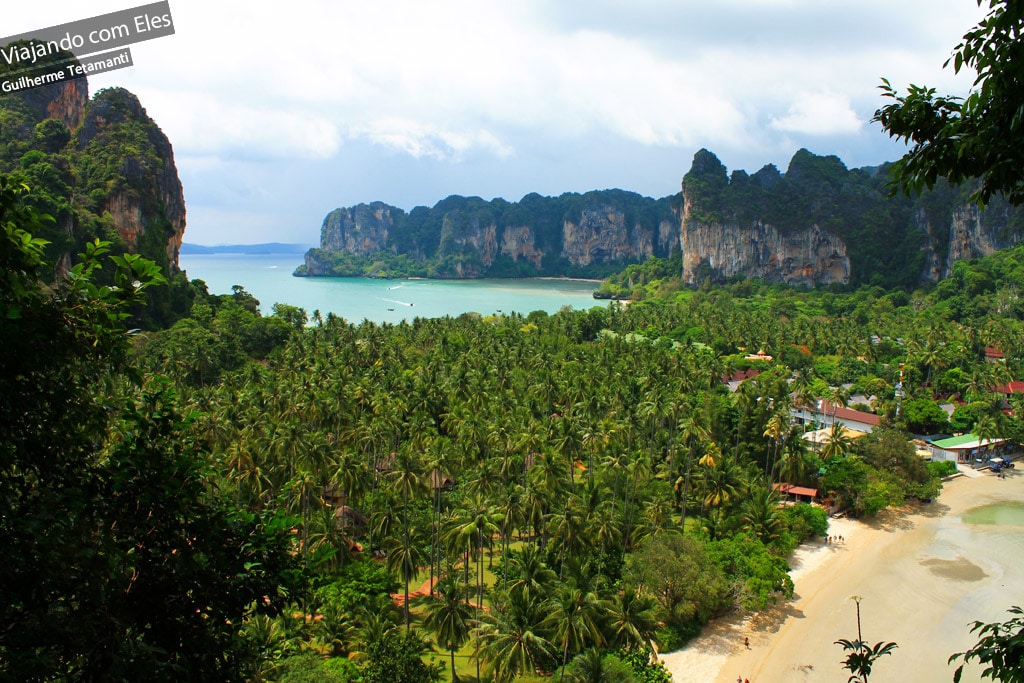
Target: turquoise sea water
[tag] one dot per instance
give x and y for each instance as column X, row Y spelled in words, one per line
column 997, row 513
column 269, row 278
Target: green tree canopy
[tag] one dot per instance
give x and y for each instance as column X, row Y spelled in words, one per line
column 978, row 136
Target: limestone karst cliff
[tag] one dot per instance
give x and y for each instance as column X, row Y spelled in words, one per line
column 807, row 257
column 818, row 223
column 145, row 199
column 467, row 237
column 101, row 167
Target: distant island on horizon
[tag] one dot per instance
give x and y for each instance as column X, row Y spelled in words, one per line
column 263, row 248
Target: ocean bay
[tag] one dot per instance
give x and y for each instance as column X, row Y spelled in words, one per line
column 269, row 278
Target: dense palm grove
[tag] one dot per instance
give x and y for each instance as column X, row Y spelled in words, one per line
column 577, row 484
column 511, row 497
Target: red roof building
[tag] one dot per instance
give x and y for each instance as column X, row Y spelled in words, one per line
column 826, row 413
column 801, row 493
column 1010, row 388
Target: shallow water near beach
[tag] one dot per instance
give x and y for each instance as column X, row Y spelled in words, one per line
column 998, row 513
column 924, row 576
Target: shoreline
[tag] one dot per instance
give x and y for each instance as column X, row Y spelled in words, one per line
column 923, row 576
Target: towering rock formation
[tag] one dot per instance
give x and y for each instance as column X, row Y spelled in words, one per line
column 467, row 237
column 146, row 201
column 818, row 223
column 95, row 166
column 718, row 242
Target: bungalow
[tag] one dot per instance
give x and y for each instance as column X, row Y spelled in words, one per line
column 738, row 377
column 1009, row 389
column 799, row 494
column 827, row 413
column 440, row 481
column 819, row 437
column 965, row 449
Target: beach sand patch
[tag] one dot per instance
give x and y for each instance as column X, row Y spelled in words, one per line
column 960, row 569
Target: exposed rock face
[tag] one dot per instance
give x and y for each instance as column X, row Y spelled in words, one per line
column 975, row 233
column 517, row 242
column 970, row 233
column 150, row 196
column 473, row 242
column 600, row 235
column 360, row 230
column 935, row 263
column 64, row 101
column 809, row 257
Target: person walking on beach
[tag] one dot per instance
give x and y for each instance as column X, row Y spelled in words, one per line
column 746, row 642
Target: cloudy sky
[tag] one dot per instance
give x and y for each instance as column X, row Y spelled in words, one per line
column 282, row 111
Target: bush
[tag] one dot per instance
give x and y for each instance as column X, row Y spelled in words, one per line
column 677, row 635
column 805, row 521
column 312, row 668
column 942, row 468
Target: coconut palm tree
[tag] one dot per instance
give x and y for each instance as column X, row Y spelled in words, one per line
column 529, row 573
column 576, row 616
column 793, row 464
column 473, row 526
column 510, row 639
column 760, row 513
column 448, row 616
column 632, row 621
column 407, row 480
column 839, row 442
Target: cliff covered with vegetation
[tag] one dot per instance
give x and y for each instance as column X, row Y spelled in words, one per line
column 580, row 235
column 103, row 169
column 818, row 223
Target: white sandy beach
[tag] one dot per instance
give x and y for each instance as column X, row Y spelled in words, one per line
column 924, row 575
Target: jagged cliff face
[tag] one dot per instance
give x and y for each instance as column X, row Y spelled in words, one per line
column 64, row 101
column 518, row 243
column 473, row 243
column 147, row 198
column 806, row 257
column 600, row 235
column 975, row 233
column 971, row 233
column 360, row 230
column 469, row 238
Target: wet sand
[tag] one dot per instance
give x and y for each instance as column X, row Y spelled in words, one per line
column 924, row 576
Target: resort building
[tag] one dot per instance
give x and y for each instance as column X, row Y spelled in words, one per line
column 819, row 437
column 825, row 414
column 966, row 449
column 796, row 494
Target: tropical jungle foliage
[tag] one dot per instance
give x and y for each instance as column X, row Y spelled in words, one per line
column 73, row 175
column 505, row 497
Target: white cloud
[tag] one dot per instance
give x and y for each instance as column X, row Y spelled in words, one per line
column 492, row 94
column 819, row 114
column 200, row 124
column 424, row 140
